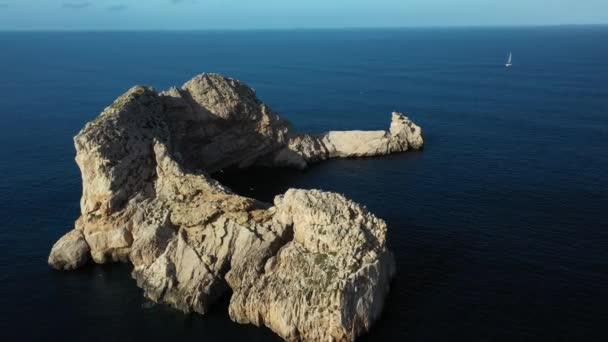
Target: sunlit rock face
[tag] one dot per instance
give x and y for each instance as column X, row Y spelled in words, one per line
column 313, row 266
column 402, row 135
column 328, row 282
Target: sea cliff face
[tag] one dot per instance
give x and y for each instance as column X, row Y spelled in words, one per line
column 312, row 266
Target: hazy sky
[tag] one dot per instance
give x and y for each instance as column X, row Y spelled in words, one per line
column 239, row 14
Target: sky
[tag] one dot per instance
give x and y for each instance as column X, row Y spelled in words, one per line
column 273, row 14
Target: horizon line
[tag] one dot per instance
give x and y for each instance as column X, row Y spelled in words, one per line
column 84, row 30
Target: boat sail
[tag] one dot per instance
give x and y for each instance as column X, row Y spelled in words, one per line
column 509, row 62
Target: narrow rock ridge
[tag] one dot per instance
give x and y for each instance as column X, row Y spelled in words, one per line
column 312, row 267
column 402, row 135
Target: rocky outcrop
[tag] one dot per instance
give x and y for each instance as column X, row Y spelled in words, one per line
column 329, row 282
column 402, row 135
column 70, row 252
column 192, row 233
column 313, row 266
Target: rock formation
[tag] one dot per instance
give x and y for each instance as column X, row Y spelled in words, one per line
column 328, row 282
column 402, row 135
column 312, row 267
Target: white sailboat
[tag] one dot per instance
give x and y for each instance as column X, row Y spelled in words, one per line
column 509, row 62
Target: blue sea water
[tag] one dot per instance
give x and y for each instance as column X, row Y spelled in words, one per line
column 499, row 227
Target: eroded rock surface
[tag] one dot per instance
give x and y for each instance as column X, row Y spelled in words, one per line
column 70, row 252
column 402, row 135
column 312, row 267
column 329, row 282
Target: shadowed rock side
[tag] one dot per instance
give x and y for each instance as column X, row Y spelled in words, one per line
column 312, row 267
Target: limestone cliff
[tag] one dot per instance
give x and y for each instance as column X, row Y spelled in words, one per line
column 312, row 267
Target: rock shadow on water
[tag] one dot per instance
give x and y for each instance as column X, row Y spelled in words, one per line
column 107, row 294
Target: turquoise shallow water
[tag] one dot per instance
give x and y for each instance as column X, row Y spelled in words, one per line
column 499, row 226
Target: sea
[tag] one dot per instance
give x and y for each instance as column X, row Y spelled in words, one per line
column 499, row 225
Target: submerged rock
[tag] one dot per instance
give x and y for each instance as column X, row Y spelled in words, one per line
column 313, row 267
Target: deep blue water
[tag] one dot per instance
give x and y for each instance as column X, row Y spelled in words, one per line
column 500, row 226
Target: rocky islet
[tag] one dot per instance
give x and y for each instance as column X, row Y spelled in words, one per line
column 312, row 266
